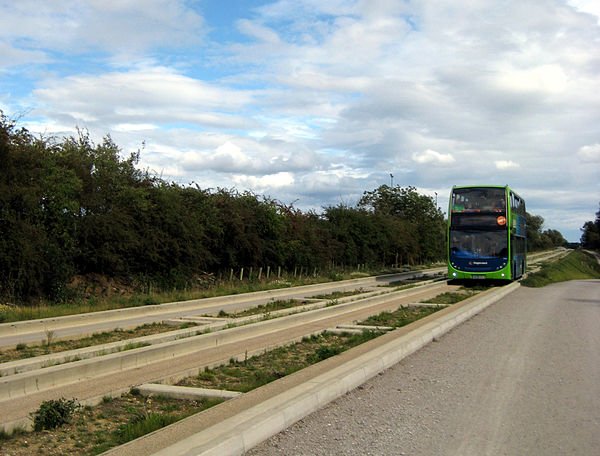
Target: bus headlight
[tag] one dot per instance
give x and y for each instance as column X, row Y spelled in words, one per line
column 454, row 274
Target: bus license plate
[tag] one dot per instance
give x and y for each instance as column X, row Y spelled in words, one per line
column 478, row 277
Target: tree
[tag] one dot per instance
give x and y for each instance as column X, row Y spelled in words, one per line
column 407, row 205
column 590, row 237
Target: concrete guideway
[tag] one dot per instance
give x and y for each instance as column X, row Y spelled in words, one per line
column 34, row 381
column 85, row 324
column 236, row 426
column 90, row 380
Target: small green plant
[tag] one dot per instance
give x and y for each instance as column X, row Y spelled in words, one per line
column 324, row 352
column 142, row 425
column 49, row 337
column 54, row 413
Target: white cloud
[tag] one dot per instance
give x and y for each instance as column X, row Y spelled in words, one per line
column 270, row 181
column 589, row 154
column 432, row 157
column 506, row 164
column 587, row 6
column 121, row 27
column 543, row 78
column 135, row 127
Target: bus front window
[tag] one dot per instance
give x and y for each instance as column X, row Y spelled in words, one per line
column 479, row 244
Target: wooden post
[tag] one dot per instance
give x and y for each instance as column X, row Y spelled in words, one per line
column 231, row 274
column 259, row 272
column 242, row 274
column 279, row 272
column 268, row 272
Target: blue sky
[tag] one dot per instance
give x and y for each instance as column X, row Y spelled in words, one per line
column 316, row 102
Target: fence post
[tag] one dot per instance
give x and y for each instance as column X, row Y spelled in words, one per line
column 268, row 272
column 259, row 272
column 231, row 274
column 279, row 272
column 242, row 274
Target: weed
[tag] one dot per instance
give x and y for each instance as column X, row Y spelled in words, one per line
column 144, row 425
column 324, row 352
column 21, row 346
column 49, row 337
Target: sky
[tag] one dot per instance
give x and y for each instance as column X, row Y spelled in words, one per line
column 314, row 102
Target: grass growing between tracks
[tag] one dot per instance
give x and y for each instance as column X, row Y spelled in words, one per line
column 340, row 294
column 401, row 317
column 577, row 265
column 22, row 351
column 259, row 370
column 93, row 430
column 264, row 308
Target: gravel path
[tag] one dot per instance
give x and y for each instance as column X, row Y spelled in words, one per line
column 521, row 378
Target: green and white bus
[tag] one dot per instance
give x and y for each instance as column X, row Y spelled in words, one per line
column 487, row 233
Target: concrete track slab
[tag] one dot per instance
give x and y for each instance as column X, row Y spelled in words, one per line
column 16, row 411
column 234, row 427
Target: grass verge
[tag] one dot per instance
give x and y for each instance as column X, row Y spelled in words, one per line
column 577, row 265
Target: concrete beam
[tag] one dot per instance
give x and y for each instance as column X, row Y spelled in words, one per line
column 184, row 392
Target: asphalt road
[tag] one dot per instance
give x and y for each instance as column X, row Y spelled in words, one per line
column 520, row 378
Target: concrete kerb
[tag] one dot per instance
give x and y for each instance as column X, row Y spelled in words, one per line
column 239, row 433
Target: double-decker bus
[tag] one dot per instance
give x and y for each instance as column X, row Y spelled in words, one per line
column 486, row 233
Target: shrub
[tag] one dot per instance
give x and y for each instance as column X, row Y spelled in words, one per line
column 54, row 413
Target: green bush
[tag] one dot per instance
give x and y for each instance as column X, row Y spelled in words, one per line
column 54, row 413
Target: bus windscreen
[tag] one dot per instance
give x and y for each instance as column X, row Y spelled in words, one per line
column 479, row 200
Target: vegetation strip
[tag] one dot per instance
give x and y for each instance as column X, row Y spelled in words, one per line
column 24, row 351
